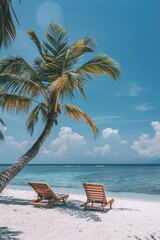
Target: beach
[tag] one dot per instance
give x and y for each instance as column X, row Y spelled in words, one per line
column 129, row 219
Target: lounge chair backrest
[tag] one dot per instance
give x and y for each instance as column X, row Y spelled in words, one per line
column 44, row 191
column 95, row 192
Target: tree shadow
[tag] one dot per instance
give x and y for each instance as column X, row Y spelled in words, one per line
column 6, row 233
column 126, row 209
column 73, row 208
column 14, row 201
column 150, row 237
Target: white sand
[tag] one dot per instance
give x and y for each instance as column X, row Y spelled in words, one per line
column 129, row 219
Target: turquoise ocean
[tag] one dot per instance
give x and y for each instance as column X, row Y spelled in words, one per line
column 124, row 181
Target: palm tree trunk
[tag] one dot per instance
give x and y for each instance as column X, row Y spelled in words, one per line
column 8, row 174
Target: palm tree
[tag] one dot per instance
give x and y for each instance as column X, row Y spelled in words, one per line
column 7, row 27
column 56, row 76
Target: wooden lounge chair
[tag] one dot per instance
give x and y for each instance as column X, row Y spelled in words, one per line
column 96, row 198
column 45, row 195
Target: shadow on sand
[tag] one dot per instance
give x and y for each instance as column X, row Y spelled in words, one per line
column 151, row 237
column 71, row 208
column 6, row 233
column 13, row 201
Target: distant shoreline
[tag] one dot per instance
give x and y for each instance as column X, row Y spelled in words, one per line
column 94, row 164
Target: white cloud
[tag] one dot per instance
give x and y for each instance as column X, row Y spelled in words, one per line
column 21, row 146
column 102, row 150
column 112, row 143
column 124, row 141
column 116, row 119
column 156, row 126
column 61, row 150
column 113, row 134
column 66, row 135
column 146, row 146
column 67, row 138
column 143, row 107
column 48, row 12
column 45, row 152
column 105, row 119
column 2, row 151
column 109, row 132
column 131, row 89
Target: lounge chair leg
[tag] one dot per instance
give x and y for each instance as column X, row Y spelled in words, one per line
column 111, row 202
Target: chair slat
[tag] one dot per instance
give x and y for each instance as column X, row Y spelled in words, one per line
column 44, row 192
column 96, row 195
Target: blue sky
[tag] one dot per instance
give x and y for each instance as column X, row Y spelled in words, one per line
column 126, row 112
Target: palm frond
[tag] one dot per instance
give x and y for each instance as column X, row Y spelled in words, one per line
column 14, row 12
column 7, row 27
column 36, row 40
column 56, row 36
column 17, row 65
column 18, row 75
column 78, row 114
column 75, row 52
column 67, row 85
column 52, row 70
column 77, row 82
column 62, row 86
column 44, row 111
column 87, row 44
column 15, row 84
column 1, row 136
column 34, row 117
column 32, row 120
column 14, row 103
column 100, row 65
column 2, row 123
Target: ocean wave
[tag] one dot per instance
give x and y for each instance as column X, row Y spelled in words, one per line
column 99, row 166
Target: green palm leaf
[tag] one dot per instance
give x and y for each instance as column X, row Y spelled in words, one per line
column 100, row 65
column 35, row 39
column 67, row 85
column 2, row 123
column 77, row 50
column 34, row 117
column 7, row 27
column 17, row 65
column 78, row 114
column 18, row 77
column 1, row 136
column 56, row 36
column 14, row 103
column 87, row 44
